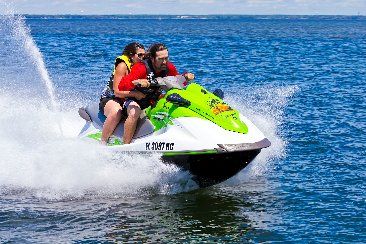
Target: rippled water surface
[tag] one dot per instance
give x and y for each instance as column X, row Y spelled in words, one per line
column 301, row 80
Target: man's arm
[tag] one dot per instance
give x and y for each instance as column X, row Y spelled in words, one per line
column 173, row 72
column 138, row 71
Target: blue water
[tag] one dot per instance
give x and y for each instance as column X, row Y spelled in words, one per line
column 301, row 80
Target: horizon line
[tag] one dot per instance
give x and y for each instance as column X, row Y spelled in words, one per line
column 82, row 14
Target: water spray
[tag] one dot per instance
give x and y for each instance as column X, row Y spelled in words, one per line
column 21, row 33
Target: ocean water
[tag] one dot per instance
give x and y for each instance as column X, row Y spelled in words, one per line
column 300, row 79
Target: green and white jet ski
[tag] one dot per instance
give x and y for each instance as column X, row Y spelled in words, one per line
column 191, row 128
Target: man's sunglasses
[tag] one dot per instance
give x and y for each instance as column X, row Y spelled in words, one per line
column 140, row 55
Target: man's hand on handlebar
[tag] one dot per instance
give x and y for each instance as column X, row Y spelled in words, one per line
column 189, row 76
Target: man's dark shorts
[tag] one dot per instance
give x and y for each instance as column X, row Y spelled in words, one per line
column 103, row 102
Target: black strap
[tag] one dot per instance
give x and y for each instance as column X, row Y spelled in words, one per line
column 116, row 63
column 151, row 74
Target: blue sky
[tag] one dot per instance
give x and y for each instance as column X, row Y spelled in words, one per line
column 183, row 7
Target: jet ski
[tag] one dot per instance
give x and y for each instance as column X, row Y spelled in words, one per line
column 190, row 127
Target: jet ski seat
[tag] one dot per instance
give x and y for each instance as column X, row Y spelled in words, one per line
column 92, row 114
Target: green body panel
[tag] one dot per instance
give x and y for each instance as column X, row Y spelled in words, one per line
column 204, row 105
column 113, row 141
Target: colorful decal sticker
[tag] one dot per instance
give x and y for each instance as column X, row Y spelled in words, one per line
column 218, row 107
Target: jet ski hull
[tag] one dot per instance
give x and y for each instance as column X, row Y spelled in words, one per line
column 212, row 168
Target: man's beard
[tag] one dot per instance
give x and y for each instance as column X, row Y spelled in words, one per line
column 163, row 66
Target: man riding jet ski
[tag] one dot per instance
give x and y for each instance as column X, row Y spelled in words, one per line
column 122, row 99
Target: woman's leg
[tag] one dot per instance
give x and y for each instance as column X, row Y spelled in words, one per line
column 133, row 112
column 113, row 112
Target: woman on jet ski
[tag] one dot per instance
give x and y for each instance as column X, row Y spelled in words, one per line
column 155, row 65
column 112, row 99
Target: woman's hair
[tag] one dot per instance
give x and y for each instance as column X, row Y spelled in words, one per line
column 154, row 48
column 131, row 48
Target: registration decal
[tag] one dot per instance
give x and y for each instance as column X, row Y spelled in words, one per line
column 159, row 146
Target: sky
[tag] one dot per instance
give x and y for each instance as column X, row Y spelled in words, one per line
column 186, row 7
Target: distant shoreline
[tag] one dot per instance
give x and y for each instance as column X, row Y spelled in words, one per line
column 208, row 16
